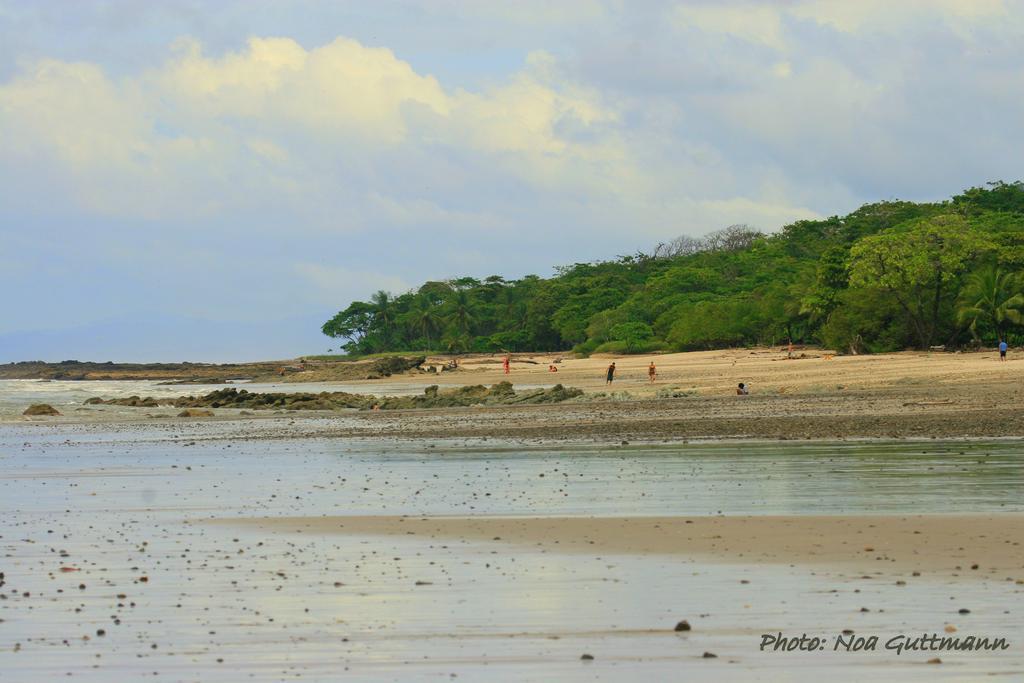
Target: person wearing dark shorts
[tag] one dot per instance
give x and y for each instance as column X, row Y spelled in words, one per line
column 1002, row 350
column 611, row 374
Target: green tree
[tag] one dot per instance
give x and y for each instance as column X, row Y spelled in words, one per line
column 633, row 334
column 993, row 298
column 461, row 312
column 424, row 319
column 918, row 266
column 352, row 324
column 383, row 312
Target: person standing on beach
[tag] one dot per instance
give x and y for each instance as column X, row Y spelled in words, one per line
column 1002, row 349
column 652, row 371
column 506, row 364
column 611, row 374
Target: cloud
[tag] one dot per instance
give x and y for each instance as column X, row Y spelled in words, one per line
column 328, row 282
column 754, row 23
column 890, row 17
column 201, row 135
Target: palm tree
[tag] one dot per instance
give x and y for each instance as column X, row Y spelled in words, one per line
column 461, row 314
column 455, row 343
column 424, row 319
column 383, row 311
column 993, row 297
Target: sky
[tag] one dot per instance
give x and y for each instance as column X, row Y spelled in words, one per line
column 211, row 181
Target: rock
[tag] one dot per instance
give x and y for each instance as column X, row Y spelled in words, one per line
column 587, row 658
column 964, row 610
column 502, row 389
column 394, row 364
column 41, row 409
column 195, row 412
column 935, row 660
column 683, row 625
column 709, row 655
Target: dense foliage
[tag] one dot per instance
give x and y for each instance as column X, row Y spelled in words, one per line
column 889, row 276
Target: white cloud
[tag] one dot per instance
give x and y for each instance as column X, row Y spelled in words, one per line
column 754, row 23
column 889, row 16
column 203, row 134
column 333, row 283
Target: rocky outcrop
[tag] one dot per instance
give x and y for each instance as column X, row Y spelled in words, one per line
column 432, row 397
column 132, row 401
column 41, row 409
column 195, row 412
column 392, row 365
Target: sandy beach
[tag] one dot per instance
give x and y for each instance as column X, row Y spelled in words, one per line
column 812, row 396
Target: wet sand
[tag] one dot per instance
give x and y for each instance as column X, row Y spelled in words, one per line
column 181, row 552
column 968, row 546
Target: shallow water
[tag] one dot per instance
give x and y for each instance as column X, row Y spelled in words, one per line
column 267, row 604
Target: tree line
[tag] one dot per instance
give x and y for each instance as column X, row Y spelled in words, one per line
column 891, row 275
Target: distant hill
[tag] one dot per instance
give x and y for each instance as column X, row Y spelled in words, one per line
column 890, row 275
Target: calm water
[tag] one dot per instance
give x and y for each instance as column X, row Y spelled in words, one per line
column 116, row 508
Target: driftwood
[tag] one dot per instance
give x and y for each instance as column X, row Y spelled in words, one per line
column 929, row 403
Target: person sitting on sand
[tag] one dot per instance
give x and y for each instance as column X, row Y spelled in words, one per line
column 741, row 389
column 552, row 368
column 652, row 371
column 611, row 374
column 1002, row 349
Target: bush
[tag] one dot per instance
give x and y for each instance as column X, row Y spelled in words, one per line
column 650, row 346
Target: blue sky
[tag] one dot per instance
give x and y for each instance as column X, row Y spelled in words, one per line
column 173, row 169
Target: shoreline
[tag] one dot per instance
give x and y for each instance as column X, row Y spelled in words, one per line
column 891, row 396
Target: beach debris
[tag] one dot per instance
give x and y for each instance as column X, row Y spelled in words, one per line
column 934, row 660
column 950, row 628
column 586, row 657
column 964, row 610
column 683, row 625
column 709, row 655
column 41, row 409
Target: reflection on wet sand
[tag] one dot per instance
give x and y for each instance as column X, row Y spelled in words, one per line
column 954, row 545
